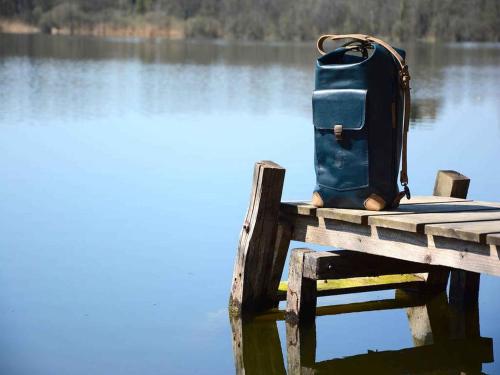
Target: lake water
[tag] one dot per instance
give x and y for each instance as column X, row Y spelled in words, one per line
column 125, row 174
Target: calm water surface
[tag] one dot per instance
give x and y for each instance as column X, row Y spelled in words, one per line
column 125, row 176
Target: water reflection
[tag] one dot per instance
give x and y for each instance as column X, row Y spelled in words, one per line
column 439, row 73
column 446, row 340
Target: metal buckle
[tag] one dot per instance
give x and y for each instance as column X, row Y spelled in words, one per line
column 407, row 191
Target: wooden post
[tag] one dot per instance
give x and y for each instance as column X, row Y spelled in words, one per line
column 464, row 304
column 283, row 235
column 451, row 184
column 454, row 185
column 253, row 267
column 301, row 293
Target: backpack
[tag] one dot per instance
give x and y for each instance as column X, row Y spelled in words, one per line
column 361, row 112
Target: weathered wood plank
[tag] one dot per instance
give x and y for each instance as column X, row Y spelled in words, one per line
column 417, row 222
column 255, row 256
column 362, row 216
column 332, row 287
column 468, row 231
column 342, row 264
column 493, row 239
column 413, row 247
column 306, row 208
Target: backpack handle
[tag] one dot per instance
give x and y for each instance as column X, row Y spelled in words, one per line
column 404, row 80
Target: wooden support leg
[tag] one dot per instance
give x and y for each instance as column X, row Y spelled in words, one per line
column 448, row 184
column 254, row 262
column 301, row 293
column 464, row 304
column 283, row 235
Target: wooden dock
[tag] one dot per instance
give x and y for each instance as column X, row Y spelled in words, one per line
column 446, row 232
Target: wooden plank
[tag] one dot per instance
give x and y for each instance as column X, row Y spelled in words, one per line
column 342, row 264
column 469, row 231
column 417, row 222
column 362, row 216
column 306, row 208
column 254, row 260
column 493, row 239
column 332, row 287
column 414, row 247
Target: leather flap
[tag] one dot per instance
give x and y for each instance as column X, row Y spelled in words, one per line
column 339, row 107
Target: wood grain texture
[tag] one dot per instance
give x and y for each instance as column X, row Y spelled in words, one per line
column 418, row 222
column 493, row 239
column 255, row 256
column 342, row 264
column 451, row 184
column 283, row 236
column 362, row 216
column 475, row 231
column 414, row 247
column 331, row 287
column 301, row 293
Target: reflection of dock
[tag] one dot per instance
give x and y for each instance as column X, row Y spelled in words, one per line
column 441, row 344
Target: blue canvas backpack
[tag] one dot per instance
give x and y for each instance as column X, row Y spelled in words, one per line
column 361, row 111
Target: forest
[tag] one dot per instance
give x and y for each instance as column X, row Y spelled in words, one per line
column 273, row 20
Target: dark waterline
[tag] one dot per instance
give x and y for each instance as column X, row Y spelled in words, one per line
column 126, row 171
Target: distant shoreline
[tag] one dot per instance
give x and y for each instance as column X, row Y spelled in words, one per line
column 141, row 30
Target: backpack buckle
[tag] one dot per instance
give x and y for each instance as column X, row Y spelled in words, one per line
column 407, row 191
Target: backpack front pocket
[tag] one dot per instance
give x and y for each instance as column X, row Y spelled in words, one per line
column 341, row 139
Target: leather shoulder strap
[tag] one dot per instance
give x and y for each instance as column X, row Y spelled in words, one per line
column 404, row 80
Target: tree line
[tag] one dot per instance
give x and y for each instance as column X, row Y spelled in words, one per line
column 300, row 20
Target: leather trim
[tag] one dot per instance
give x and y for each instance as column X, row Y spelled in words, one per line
column 374, row 203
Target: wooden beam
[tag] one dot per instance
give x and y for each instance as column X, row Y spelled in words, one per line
column 342, row 264
column 255, row 256
column 331, row 287
column 413, row 247
column 493, row 239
